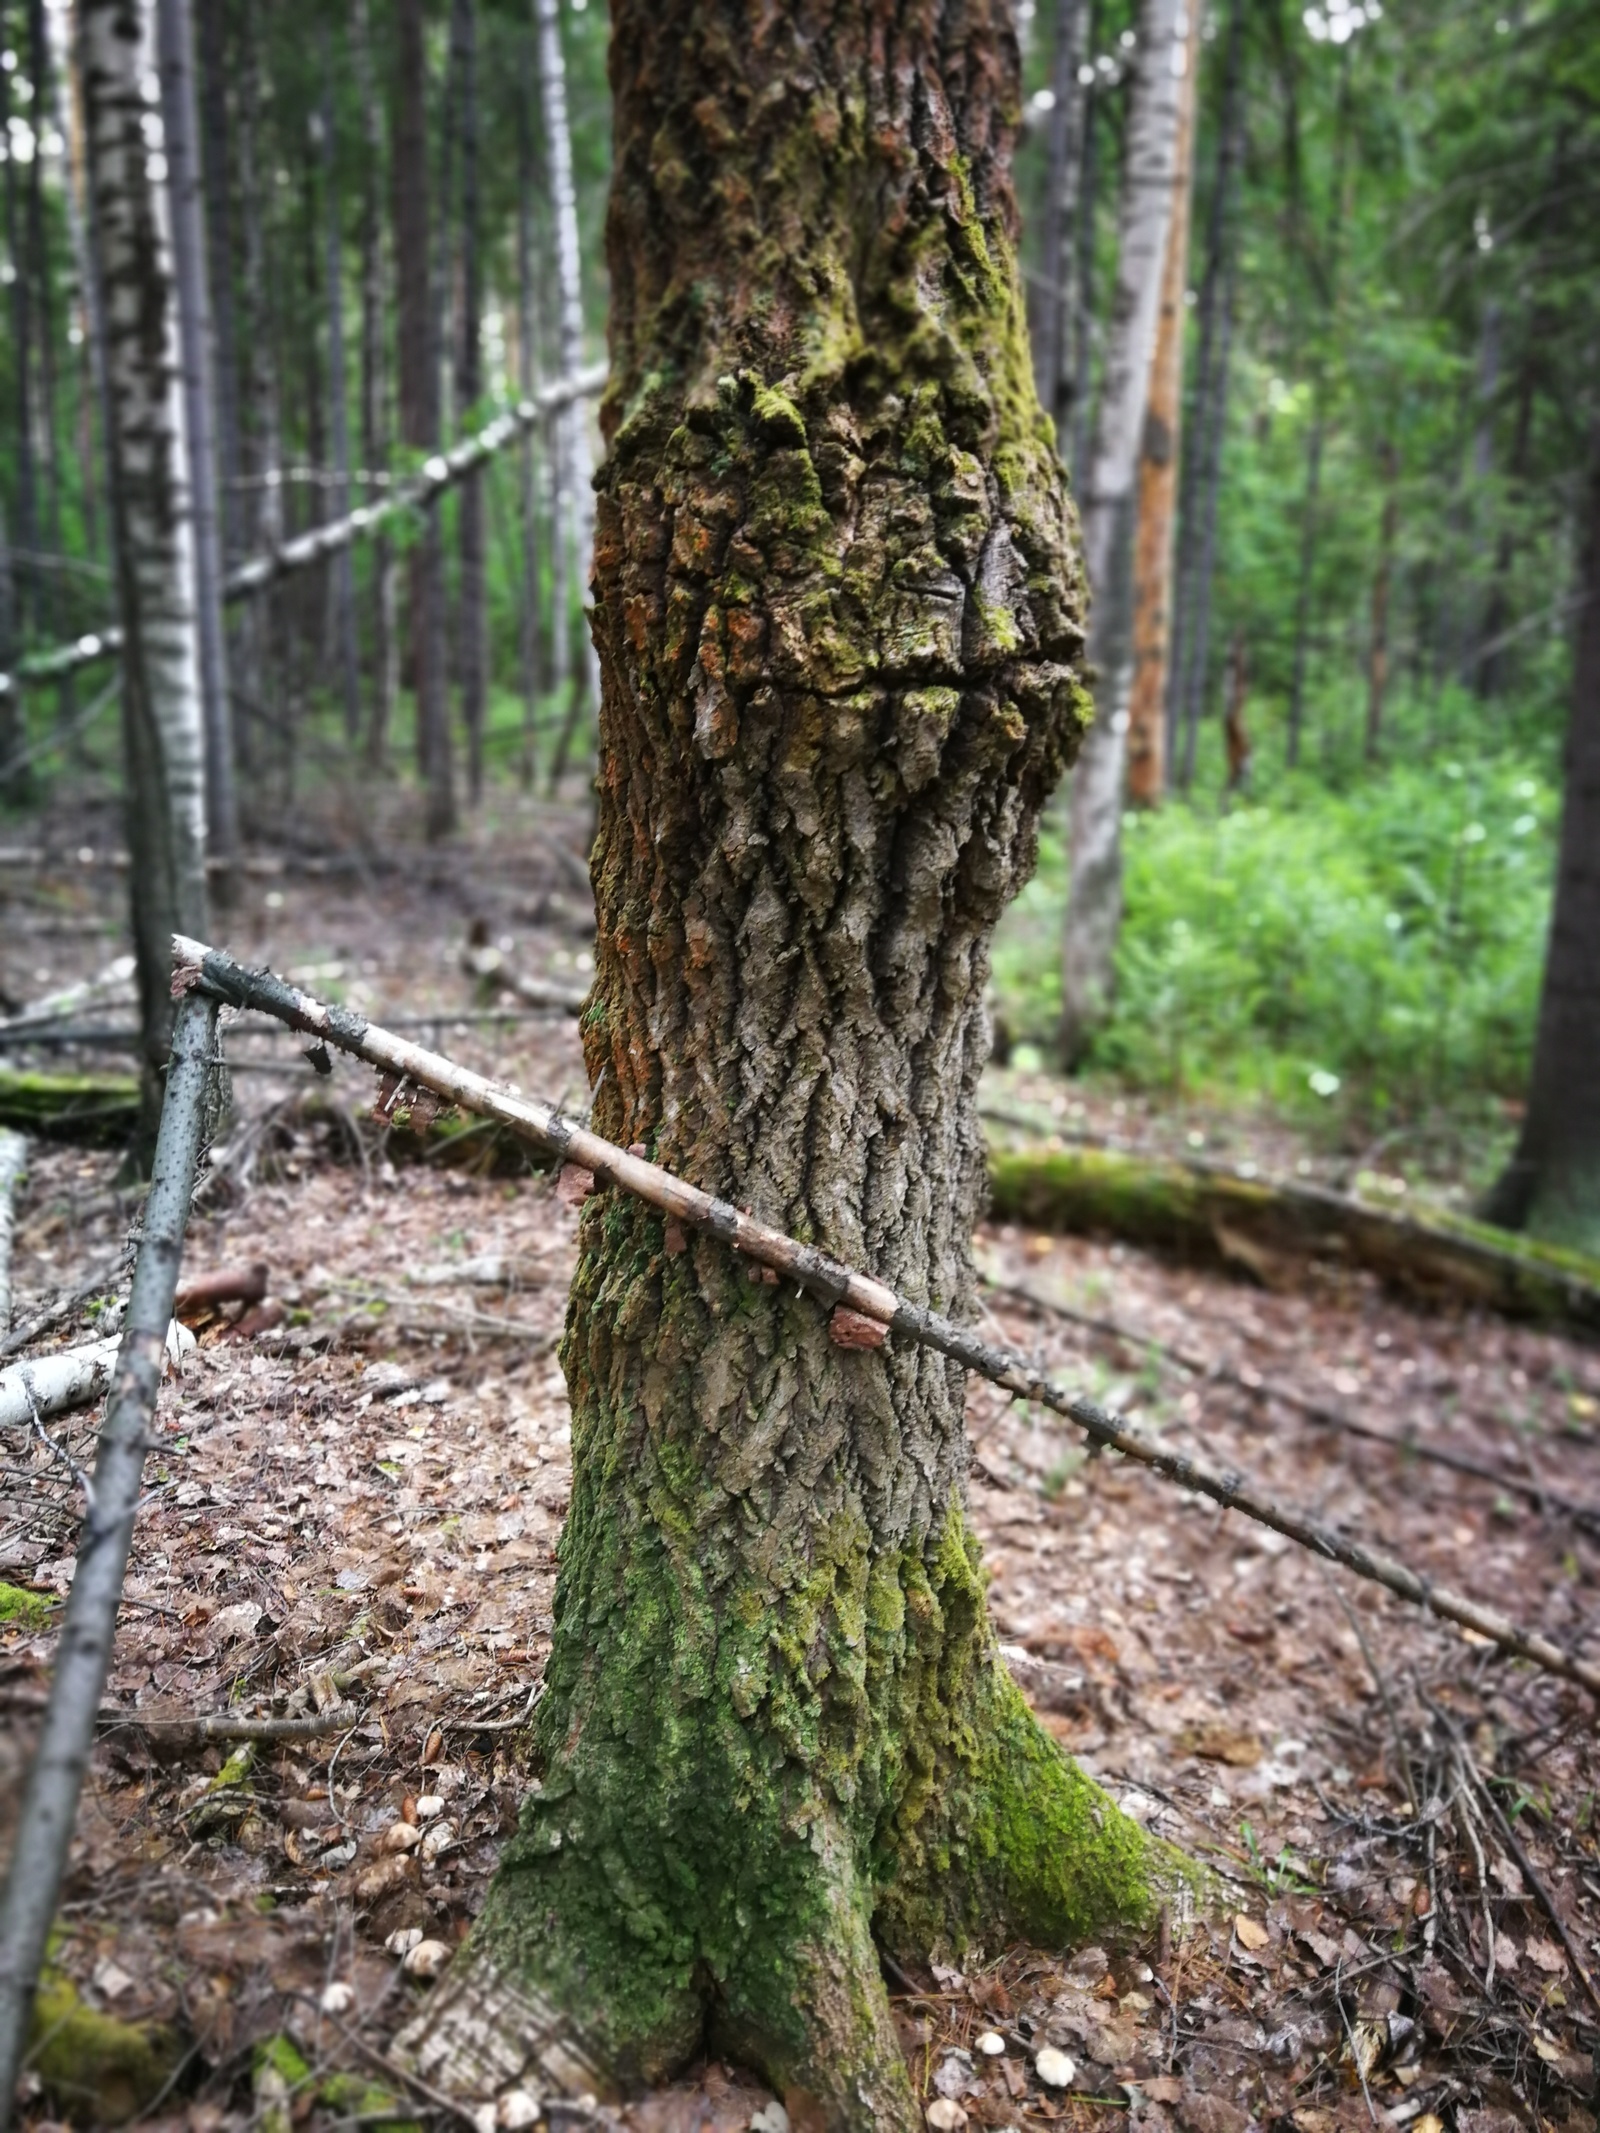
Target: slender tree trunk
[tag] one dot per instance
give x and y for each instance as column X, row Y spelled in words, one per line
column 27, row 505
column 211, row 25
column 574, row 526
column 92, row 375
column 38, row 265
column 473, row 652
column 419, row 406
column 1235, row 735
column 15, row 785
column 1058, row 243
column 1158, row 470
column 347, row 650
column 840, row 659
column 375, row 423
column 1551, row 1186
column 153, row 514
column 261, row 500
column 1491, row 666
column 1107, row 503
column 1076, row 418
column 1378, row 655
column 1310, row 508
column 1202, row 466
column 529, row 649
column 176, row 44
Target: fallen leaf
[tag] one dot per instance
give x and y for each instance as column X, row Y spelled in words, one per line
column 1251, row 1933
column 1219, row 1742
column 1545, row 1955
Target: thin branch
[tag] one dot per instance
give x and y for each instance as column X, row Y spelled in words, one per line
column 210, row 970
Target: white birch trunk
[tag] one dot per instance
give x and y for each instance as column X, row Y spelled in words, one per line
column 175, row 36
column 1107, row 498
column 163, row 719
column 13, row 1169
column 571, row 433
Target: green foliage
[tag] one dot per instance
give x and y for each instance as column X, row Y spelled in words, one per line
column 1371, row 948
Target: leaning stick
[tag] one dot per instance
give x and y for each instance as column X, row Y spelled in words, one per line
column 55, row 1780
column 216, row 973
column 438, row 474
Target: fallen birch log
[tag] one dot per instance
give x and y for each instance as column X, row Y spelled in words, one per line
column 83, row 1651
column 1269, row 1226
column 864, row 1310
column 71, row 1378
column 13, row 1168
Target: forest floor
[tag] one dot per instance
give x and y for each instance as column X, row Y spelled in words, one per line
column 360, row 1503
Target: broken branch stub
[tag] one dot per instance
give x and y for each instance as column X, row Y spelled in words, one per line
column 219, row 975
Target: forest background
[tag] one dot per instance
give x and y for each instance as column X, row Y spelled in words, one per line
column 1337, row 895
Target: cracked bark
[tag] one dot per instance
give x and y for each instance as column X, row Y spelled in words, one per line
column 839, row 618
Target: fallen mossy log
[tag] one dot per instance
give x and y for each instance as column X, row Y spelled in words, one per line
column 1269, row 1228
column 101, row 1109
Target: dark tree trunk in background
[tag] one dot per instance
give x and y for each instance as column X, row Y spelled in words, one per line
column 162, row 717
column 472, row 656
column 211, row 26
column 419, row 405
column 90, row 425
column 1056, row 310
column 1074, row 420
column 175, row 40
column 375, row 421
column 1378, row 651
column 38, row 266
column 840, row 625
column 1551, row 1186
column 1491, row 670
column 26, row 578
column 1208, row 421
column 529, row 648
column 14, row 781
column 261, row 498
column 342, row 580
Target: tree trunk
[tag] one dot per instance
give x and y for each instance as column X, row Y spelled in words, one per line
column 1551, row 1186
column 1058, row 237
column 175, row 37
column 342, row 590
column 92, row 376
column 529, row 649
column 839, row 622
column 1378, row 655
column 1076, row 416
column 1158, row 470
column 472, row 656
column 211, row 22
column 38, row 265
column 419, row 407
column 1202, row 466
column 261, row 499
column 27, row 505
column 574, row 528
column 375, row 394
column 163, row 720
column 1107, row 501
column 15, row 784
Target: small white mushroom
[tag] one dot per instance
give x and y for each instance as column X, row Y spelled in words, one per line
column 426, row 1959
column 404, row 1940
column 1054, row 2068
column 337, row 1998
column 992, row 2044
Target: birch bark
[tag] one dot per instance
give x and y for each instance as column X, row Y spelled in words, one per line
column 175, row 41
column 163, row 720
column 1107, row 503
column 342, row 578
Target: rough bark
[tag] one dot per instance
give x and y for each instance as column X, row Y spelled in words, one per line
column 1158, row 470
column 1551, row 1186
column 472, row 650
column 1107, row 500
column 163, row 720
column 839, row 619
column 419, row 406
column 175, row 42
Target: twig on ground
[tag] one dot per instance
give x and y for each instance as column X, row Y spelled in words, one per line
column 500, row 1725
column 860, row 1296
column 1315, row 1411
column 341, row 1718
column 83, row 1652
